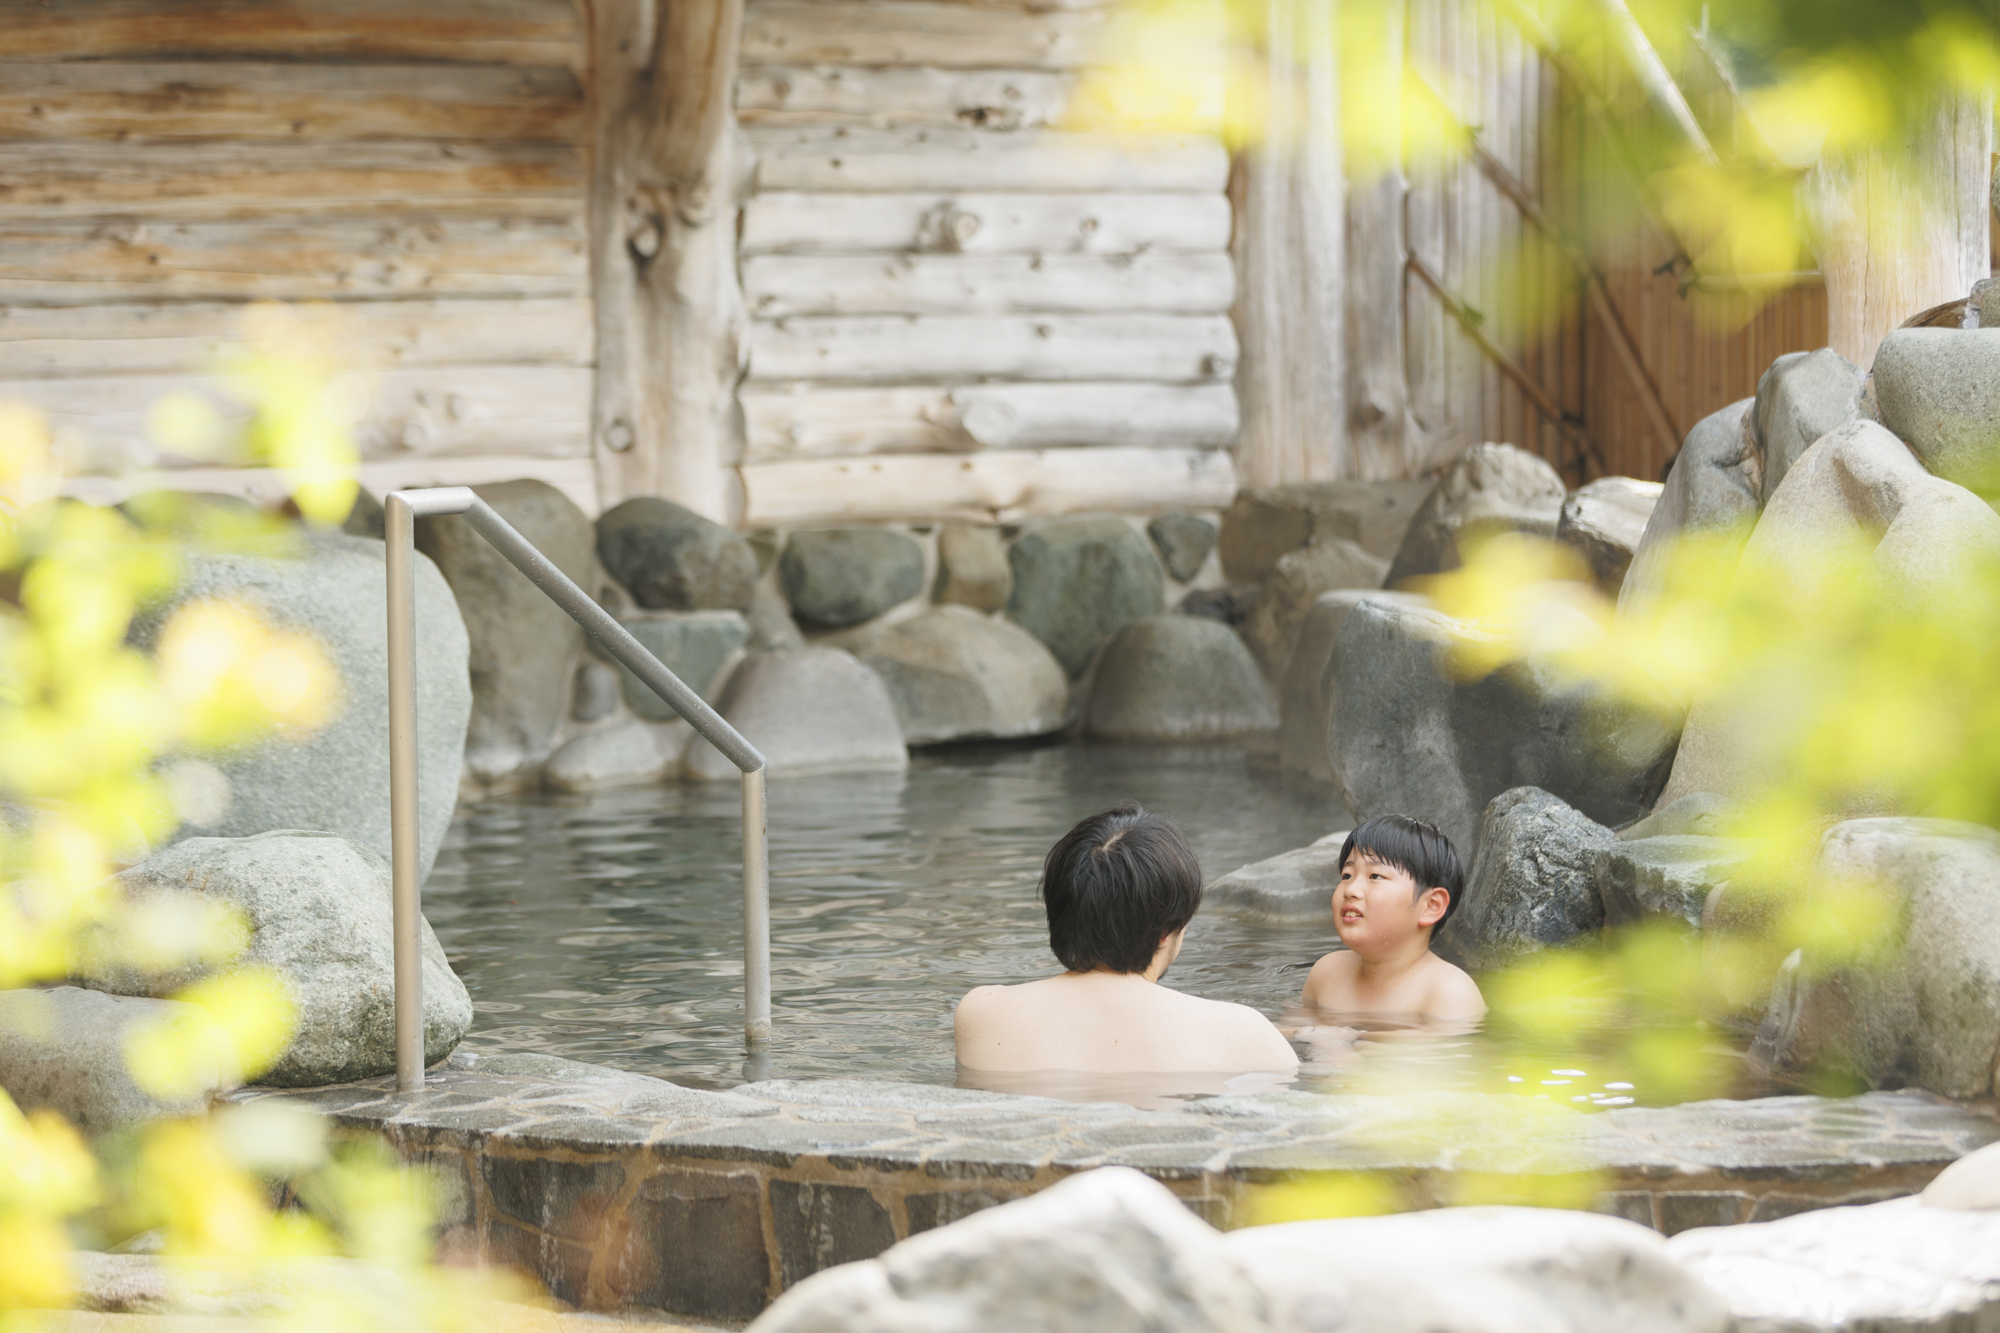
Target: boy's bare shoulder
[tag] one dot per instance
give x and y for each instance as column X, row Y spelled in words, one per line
column 1335, row 967
column 1453, row 992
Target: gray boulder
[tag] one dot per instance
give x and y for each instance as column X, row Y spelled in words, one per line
column 317, row 907
column 843, row 576
column 1078, row 581
column 1858, row 485
column 1267, row 522
column 673, row 559
column 1183, row 542
column 1897, row 1265
column 1715, row 486
column 1801, row 397
column 367, row 518
column 1231, row 605
column 771, row 623
column 1407, row 735
column 810, row 710
column 595, row 693
column 64, row 1049
column 521, row 642
column 628, row 754
column 1530, row 885
column 972, row 569
column 1305, row 698
column 1291, row 886
column 694, row 645
column 1923, row 1007
column 1104, row 1252
column 1489, row 488
column 1939, row 390
column 1178, row 678
column 1605, row 522
column 1272, row 629
column 954, row 674
column 1702, row 813
column 1665, row 878
column 336, row 779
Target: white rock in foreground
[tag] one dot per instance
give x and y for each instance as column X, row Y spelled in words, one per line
column 64, row 1048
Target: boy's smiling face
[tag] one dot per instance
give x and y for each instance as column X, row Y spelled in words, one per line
column 1376, row 905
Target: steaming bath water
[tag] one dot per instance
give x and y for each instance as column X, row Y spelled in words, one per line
column 609, row 928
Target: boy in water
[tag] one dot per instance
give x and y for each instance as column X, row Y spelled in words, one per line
column 1399, row 879
column 1120, row 889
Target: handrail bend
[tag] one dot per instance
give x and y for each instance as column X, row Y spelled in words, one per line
column 401, row 511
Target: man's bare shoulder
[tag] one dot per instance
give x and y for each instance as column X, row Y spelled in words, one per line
column 1245, row 1031
column 1453, row 992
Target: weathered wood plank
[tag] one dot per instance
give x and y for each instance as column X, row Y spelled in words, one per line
column 507, row 32
column 83, row 260
column 249, row 179
column 918, row 32
column 52, row 342
column 1181, row 348
column 990, row 99
column 917, row 159
column 574, row 477
column 998, row 487
column 1104, row 224
column 132, row 102
column 540, row 411
column 777, row 286
column 807, row 421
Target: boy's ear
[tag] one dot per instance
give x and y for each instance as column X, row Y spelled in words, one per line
column 1431, row 906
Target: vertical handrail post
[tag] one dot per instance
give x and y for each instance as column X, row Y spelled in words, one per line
column 407, row 924
column 756, row 913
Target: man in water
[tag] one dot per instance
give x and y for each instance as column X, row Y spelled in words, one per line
column 1120, row 889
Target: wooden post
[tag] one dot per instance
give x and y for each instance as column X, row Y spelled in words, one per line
column 1903, row 228
column 670, row 325
column 1384, row 440
column 1290, row 324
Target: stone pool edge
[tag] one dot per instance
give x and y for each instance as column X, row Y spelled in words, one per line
column 623, row 1192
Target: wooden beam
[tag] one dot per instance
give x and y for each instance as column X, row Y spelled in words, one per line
column 932, row 161
column 944, row 33
column 574, row 477
column 887, row 349
column 992, row 99
column 778, row 286
column 1105, row 224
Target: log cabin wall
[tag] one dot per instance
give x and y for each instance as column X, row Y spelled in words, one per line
column 960, row 311
column 420, row 167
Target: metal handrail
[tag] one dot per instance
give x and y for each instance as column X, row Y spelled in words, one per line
column 402, row 509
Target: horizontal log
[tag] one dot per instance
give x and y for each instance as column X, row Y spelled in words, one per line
column 574, row 477
column 88, row 260
column 539, row 411
column 998, row 487
column 1103, row 224
column 807, row 421
column 778, row 286
column 1179, row 348
column 918, row 32
column 238, row 179
column 506, row 32
column 919, row 159
column 54, row 342
column 989, row 99
column 242, row 100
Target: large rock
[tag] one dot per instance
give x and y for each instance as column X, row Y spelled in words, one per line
column 1305, row 696
column 954, row 674
column 627, row 754
column 64, row 1049
column 1183, row 541
column 1921, row 1006
column 1272, row 629
column 1489, row 488
column 521, row 642
column 1801, row 396
column 809, row 710
column 771, row 624
column 1939, row 390
column 1175, row 678
column 1291, row 886
column 694, row 645
column 1898, row 1265
column 972, row 569
column 1530, row 886
column 1109, row 1251
column 1510, row 1270
column 1078, row 581
column 1859, row 485
column 1665, row 878
column 1408, row 736
column 1265, row 523
column 673, row 559
column 318, row 911
column 1605, row 521
column 1715, row 487
column 336, row 779
column 843, row 576
column 1702, row 813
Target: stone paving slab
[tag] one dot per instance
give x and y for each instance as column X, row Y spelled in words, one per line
column 620, row 1191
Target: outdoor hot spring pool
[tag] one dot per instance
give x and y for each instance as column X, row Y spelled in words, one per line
column 608, row 928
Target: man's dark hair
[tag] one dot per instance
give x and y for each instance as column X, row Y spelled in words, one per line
column 1417, row 847
column 1115, row 886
